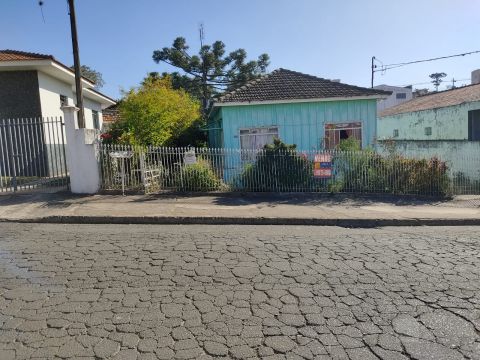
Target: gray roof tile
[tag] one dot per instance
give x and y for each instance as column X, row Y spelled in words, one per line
column 285, row 84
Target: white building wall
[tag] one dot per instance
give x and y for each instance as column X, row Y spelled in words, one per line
column 446, row 123
column 392, row 100
column 448, row 139
column 50, row 90
column 90, row 105
column 461, row 156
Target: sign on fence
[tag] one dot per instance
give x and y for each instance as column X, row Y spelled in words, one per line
column 121, row 154
column 322, row 166
column 189, row 158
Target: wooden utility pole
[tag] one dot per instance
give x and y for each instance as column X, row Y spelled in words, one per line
column 76, row 64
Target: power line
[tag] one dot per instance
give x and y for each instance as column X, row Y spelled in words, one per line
column 393, row 66
column 40, row 3
column 429, row 82
column 384, row 68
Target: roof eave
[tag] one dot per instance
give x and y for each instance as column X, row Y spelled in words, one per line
column 59, row 71
column 95, row 95
column 294, row 101
column 41, row 64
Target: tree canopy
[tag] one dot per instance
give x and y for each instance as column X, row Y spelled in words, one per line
column 92, row 75
column 211, row 71
column 156, row 114
column 437, row 79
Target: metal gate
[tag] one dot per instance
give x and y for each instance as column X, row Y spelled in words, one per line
column 32, row 155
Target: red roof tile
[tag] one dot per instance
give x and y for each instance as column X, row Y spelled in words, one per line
column 15, row 55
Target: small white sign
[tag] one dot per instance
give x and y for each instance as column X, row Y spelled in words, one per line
column 121, row 154
column 189, row 158
column 90, row 135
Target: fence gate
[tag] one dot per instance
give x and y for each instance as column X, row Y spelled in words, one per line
column 32, row 155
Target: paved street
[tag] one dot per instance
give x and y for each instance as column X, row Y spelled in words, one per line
column 240, row 292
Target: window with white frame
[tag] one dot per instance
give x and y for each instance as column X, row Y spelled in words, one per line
column 256, row 138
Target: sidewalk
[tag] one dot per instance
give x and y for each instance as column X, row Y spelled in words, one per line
column 256, row 209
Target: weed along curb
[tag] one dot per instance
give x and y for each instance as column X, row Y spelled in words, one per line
column 166, row 220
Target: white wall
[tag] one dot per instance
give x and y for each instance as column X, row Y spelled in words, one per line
column 392, row 100
column 82, row 157
column 447, row 123
column 461, row 156
column 50, row 91
column 90, row 105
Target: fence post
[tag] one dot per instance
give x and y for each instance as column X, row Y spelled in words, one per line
column 82, row 159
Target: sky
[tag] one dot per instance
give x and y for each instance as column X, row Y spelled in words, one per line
column 333, row 39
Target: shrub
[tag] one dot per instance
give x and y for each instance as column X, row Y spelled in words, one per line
column 366, row 171
column 350, row 144
column 278, row 168
column 197, row 177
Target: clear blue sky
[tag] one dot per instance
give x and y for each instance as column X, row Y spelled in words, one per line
column 327, row 38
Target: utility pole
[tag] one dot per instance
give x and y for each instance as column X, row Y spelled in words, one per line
column 76, row 64
column 453, row 83
column 373, row 69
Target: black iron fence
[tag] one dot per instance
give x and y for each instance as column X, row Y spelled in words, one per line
column 154, row 169
column 32, row 154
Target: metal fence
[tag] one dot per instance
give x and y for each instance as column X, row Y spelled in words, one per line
column 155, row 169
column 32, row 154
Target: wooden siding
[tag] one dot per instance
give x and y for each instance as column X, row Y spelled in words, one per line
column 298, row 123
column 215, row 130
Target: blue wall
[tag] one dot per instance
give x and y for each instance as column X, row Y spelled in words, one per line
column 298, row 123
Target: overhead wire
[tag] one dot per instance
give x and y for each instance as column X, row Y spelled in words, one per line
column 384, row 68
column 40, row 4
column 429, row 82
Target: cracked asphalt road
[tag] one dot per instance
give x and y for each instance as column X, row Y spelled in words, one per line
column 240, row 292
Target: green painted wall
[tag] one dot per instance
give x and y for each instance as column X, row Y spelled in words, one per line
column 215, row 131
column 447, row 123
column 298, row 123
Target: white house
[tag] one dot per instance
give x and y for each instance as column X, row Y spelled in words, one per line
column 399, row 96
column 32, row 87
column 36, row 85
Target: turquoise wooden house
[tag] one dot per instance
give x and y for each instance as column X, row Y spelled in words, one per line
column 305, row 110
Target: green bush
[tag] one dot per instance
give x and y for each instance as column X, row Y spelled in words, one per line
column 369, row 172
column 278, row 168
column 350, row 144
column 197, row 177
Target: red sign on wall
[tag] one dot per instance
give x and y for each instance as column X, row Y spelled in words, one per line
column 322, row 166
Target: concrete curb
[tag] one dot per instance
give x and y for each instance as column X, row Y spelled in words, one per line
column 176, row 220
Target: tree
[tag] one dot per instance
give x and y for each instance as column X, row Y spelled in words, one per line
column 211, row 71
column 437, row 79
column 420, row 92
column 178, row 82
column 155, row 114
column 92, row 75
